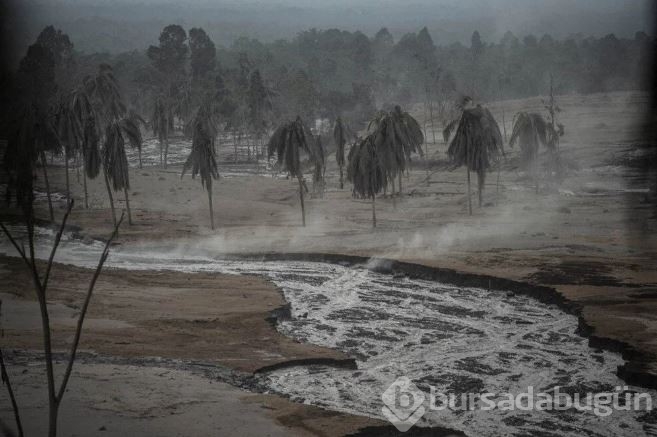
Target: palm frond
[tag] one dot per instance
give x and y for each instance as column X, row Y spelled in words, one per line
column 288, row 142
column 531, row 131
column 90, row 149
column 202, row 159
column 478, row 140
column 396, row 135
column 365, row 170
column 114, row 157
column 340, row 136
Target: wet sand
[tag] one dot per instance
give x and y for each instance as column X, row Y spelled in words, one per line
column 593, row 240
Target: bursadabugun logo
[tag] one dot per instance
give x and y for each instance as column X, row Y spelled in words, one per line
column 403, row 404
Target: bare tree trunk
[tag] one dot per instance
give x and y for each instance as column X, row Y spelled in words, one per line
column 503, row 124
column 68, row 187
column 52, row 417
column 235, row 145
column 5, row 379
column 41, row 286
column 258, row 150
column 127, row 205
column 433, row 129
column 161, row 153
column 45, row 180
column 481, row 180
column 341, row 179
column 303, row 208
column 211, row 208
column 139, row 152
column 374, row 211
column 111, row 198
column 77, row 166
column 239, row 138
column 469, row 198
column 166, row 151
column 86, row 193
column 497, row 189
column 400, row 185
column 424, row 123
column 536, row 166
column 53, row 405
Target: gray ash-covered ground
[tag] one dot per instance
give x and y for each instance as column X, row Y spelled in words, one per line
column 458, row 340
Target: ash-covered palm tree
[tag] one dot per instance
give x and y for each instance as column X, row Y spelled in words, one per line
column 90, row 153
column 161, row 123
column 396, row 135
column 104, row 89
column 137, row 121
column 320, row 166
column 86, row 120
column 477, row 143
column 341, row 135
column 44, row 135
column 289, row 142
column 461, row 105
column 115, row 160
column 202, row 159
column 70, row 134
column 367, row 172
column 34, row 131
column 530, row 131
column 114, row 123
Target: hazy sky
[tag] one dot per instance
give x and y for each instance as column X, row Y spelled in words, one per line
column 118, row 25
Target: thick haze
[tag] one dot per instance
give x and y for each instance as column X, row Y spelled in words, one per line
column 120, row 25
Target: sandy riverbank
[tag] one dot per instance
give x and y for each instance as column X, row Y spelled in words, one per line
column 593, row 240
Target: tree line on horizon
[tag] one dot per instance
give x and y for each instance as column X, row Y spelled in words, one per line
column 96, row 104
column 327, row 73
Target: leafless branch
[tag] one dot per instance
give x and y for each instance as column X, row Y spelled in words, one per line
column 55, row 245
column 14, row 405
column 85, row 306
column 18, row 248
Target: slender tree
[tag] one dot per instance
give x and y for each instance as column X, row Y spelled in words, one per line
column 33, row 131
column 367, row 172
column 40, row 280
column 289, row 142
column 85, row 120
column 530, row 131
column 115, row 161
column 70, row 133
column 259, row 104
column 202, row 159
column 320, row 166
column 160, row 122
column 554, row 132
column 341, row 134
column 476, row 144
column 114, row 123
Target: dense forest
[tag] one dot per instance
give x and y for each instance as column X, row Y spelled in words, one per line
column 326, row 73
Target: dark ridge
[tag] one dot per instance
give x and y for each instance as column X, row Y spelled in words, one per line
column 636, row 371
column 284, row 312
column 577, row 273
column 344, row 363
column 416, row 431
